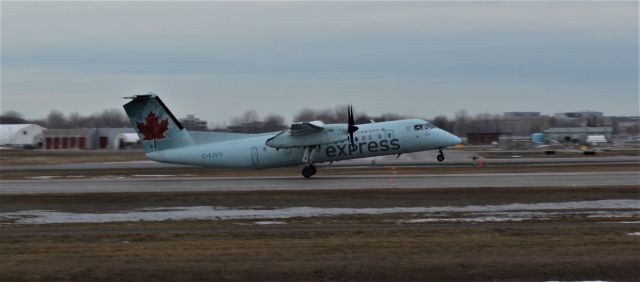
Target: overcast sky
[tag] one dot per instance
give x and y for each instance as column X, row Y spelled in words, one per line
column 216, row 60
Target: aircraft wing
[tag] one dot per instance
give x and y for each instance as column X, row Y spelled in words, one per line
column 305, row 134
column 304, row 128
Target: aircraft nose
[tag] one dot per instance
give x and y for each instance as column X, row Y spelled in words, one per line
column 449, row 139
column 455, row 140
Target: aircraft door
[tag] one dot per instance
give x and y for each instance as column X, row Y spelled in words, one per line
column 254, row 156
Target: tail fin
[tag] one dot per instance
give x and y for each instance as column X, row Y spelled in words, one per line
column 156, row 126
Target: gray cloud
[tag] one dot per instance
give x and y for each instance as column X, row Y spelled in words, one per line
column 217, row 59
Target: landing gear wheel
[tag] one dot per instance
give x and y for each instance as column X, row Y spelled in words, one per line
column 309, row 171
column 440, row 156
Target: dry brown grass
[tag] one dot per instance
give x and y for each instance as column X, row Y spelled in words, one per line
column 365, row 198
column 388, row 252
column 342, row 248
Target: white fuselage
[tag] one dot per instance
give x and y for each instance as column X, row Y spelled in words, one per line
column 373, row 139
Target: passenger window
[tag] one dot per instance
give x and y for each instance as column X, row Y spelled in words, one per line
column 389, row 135
column 379, row 136
column 417, row 127
column 370, row 137
column 356, row 138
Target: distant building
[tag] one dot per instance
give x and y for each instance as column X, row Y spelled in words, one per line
column 127, row 141
column 193, row 123
column 578, row 115
column 21, row 135
column 520, row 115
column 485, row 138
column 523, row 123
column 626, row 126
column 87, row 138
column 576, row 134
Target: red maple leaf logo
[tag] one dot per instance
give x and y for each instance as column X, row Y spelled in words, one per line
column 153, row 130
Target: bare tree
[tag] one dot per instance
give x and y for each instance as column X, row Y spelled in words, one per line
column 110, row 118
column 388, row 117
column 250, row 122
column 56, row 119
column 444, row 123
column 273, row 122
column 339, row 115
column 462, row 124
column 12, row 117
column 246, row 117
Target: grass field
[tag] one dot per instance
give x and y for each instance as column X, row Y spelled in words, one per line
column 336, row 248
column 199, row 251
column 349, row 198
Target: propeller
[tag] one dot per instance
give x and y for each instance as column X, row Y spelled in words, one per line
column 352, row 126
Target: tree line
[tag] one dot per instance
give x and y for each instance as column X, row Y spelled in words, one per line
column 251, row 122
column 57, row 119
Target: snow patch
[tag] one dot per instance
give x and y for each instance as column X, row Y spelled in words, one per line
column 266, row 222
column 465, row 219
column 44, row 177
column 511, row 212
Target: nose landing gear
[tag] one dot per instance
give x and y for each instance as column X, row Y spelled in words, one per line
column 440, row 156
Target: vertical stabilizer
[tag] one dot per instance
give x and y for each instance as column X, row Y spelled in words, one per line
column 156, row 126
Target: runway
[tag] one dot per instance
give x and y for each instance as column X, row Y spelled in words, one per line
column 319, row 182
column 455, row 159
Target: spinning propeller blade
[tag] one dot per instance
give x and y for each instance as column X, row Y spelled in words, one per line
column 351, row 127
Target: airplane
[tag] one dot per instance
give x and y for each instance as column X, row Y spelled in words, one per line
column 303, row 143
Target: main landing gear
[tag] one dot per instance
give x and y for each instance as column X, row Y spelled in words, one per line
column 440, row 156
column 308, row 159
column 309, row 171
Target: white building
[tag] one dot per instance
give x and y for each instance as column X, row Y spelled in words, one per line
column 88, row 138
column 126, row 140
column 20, row 135
column 577, row 134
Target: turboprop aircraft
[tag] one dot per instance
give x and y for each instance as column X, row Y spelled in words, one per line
column 304, row 143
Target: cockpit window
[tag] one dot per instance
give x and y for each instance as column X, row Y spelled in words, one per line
column 423, row 126
column 429, row 126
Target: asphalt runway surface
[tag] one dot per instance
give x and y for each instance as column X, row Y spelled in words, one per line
column 185, row 184
column 454, row 158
